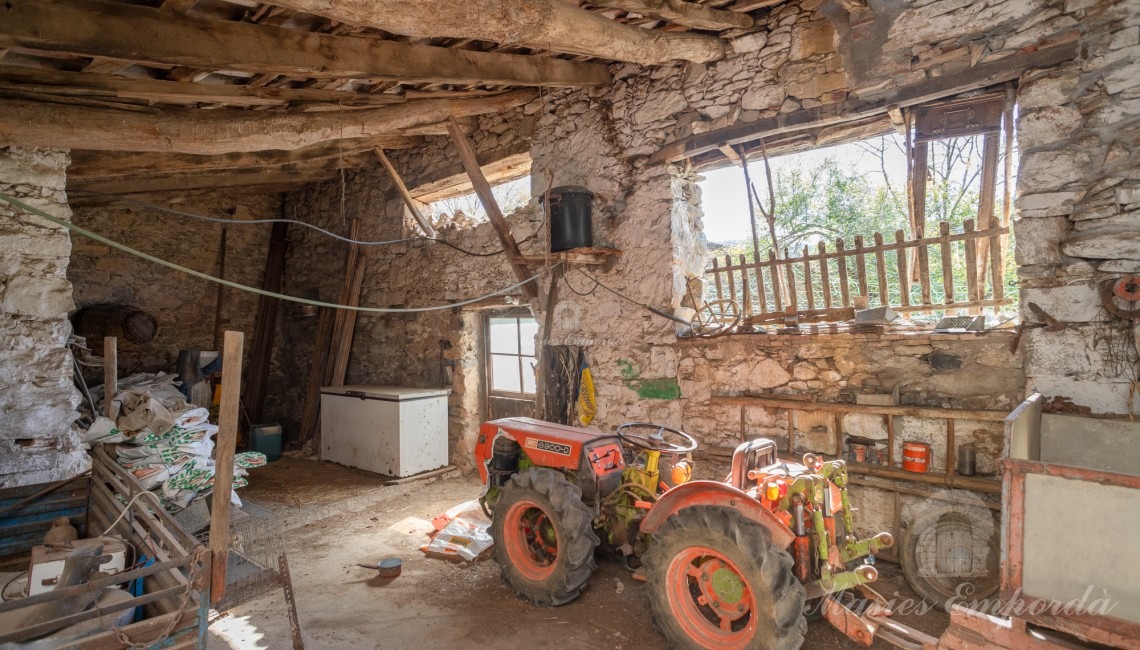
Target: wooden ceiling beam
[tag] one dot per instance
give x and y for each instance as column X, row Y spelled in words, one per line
column 102, row 166
column 36, row 124
column 245, row 180
column 151, row 36
column 84, row 84
column 542, row 24
column 689, row 14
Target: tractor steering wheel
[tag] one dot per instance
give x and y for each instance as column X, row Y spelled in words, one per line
column 656, row 441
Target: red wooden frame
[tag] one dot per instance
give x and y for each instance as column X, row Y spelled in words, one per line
column 1092, row 627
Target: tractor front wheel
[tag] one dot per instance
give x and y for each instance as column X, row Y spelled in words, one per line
column 544, row 537
column 716, row 580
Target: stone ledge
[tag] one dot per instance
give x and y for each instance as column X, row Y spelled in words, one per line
column 781, row 339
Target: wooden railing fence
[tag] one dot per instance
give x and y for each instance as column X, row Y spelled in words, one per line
column 897, row 274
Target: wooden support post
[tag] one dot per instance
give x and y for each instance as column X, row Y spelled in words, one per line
column 793, row 298
column 716, row 279
column 334, row 339
column 881, row 267
column 919, row 167
column 344, row 322
column 841, row 261
column 904, row 277
column 731, row 278
column 824, row 275
column 951, row 452
column 777, row 278
column 890, row 440
column 947, row 263
column 494, row 214
column 110, row 373
column 265, row 327
column 220, row 296
column 809, row 286
column 412, row 204
column 971, row 265
column 224, row 463
column 986, row 220
column 311, row 412
column 746, row 302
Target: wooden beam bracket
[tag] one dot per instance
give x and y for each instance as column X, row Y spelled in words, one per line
column 494, row 213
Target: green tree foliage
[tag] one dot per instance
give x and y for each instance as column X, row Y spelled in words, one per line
column 853, row 192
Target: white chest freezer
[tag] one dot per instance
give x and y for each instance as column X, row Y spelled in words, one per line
column 391, row 430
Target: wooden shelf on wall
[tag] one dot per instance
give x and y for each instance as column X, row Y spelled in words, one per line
column 975, row 483
column 986, row 484
column 585, row 256
column 840, row 407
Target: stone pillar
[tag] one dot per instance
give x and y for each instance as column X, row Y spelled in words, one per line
column 1078, row 208
column 37, row 396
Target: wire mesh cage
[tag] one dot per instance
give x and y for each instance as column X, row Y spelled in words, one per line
column 257, row 544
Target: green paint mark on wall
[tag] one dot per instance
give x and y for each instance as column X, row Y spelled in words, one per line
column 660, row 388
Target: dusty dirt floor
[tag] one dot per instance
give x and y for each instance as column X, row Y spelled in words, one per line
column 437, row 604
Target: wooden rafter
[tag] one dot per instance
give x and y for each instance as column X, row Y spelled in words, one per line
column 412, row 204
column 494, row 214
column 94, row 167
column 76, row 84
column 153, row 36
column 681, row 12
column 245, row 179
column 544, row 24
column 25, row 123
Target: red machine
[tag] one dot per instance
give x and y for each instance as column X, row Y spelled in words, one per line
column 728, row 565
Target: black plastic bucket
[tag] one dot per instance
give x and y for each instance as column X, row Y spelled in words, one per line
column 571, row 221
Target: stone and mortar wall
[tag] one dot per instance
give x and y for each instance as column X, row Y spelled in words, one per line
column 652, row 213
column 1079, row 207
column 182, row 304
column 405, row 349
column 37, row 397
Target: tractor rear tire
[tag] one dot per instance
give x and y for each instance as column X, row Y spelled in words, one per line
column 544, row 537
column 710, row 568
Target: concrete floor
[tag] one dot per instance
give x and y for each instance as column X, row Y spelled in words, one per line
column 438, row 604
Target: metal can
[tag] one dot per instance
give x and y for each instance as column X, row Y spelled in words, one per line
column 916, row 457
column 967, row 460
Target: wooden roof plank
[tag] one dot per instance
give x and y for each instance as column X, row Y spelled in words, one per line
column 689, row 14
column 546, row 24
column 25, row 123
column 143, row 34
column 174, row 92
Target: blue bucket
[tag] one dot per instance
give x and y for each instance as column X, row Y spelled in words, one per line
column 266, row 438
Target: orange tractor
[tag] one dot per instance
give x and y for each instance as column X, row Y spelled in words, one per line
column 737, row 564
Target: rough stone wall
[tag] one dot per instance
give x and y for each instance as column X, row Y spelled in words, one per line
column 37, row 397
column 1079, row 206
column 814, row 55
column 182, row 304
column 403, row 349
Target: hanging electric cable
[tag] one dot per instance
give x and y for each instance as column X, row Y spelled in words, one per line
column 298, row 222
column 659, row 312
column 198, row 274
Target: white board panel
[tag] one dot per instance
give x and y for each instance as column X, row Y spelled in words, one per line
column 1080, row 535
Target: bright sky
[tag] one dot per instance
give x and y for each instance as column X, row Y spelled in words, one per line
column 722, row 192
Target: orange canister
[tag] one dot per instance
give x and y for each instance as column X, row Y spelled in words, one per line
column 916, row 457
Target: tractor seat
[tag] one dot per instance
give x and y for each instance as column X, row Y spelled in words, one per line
column 757, row 453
